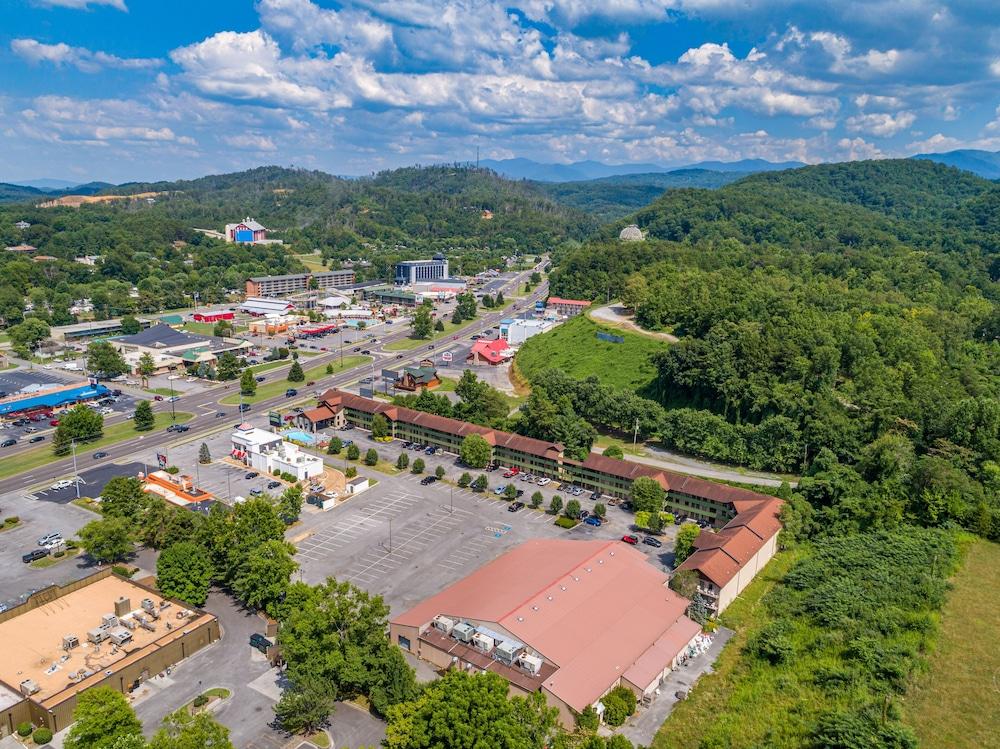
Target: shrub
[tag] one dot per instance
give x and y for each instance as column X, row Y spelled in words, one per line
column 588, row 720
column 335, row 446
column 555, row 505
column 200, row 701
column 71, row 544
column 353, row 452
column 480, row 483
column 565, row 522
column 418, row 466
column 121, row 570
column 351, row 472
column 288, row 477
column 23, row 729
column 173, row 470
column 772, row 643
column 537, row 499
column 276, row 472
column 12, row 520
column 402, row 461
column 42, row 736
column 439, row 472
column 371, row 457
column 600, row 510
column 58, row 554
column 464, row 480
column 619, row 703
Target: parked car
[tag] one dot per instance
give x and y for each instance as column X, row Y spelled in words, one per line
column 256, row 492
column 273, row 484
column 510, row 473
column 260, row 642
column 244, row 407
column 33, row 555
column 427, row 480
column 500, row 490
column 259, row 378
column 515, row 506
column 49, row 538
column 430, row 450
column 654, row 542
column 544, row 481
column 596, row 495
column 347, row 443
column 630, row 539
column 61, row 484
column 593, row 520
column 8, row 443
column 219, row 414
column 251, row 475
column 100, row 454
column 54, row 423
column 291, row 393
column 399, row 356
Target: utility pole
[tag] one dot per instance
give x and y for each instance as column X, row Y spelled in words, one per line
column 76, row 473
column 452, row 510
column 635, row 434
column 173, row 411
column 390, row 535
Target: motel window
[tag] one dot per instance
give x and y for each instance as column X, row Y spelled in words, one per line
column 404, row 642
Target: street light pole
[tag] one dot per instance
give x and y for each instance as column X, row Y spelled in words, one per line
column 173, row 411
column 76, row 473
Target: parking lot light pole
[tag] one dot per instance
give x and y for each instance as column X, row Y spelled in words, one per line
column 390, row 535
column 173, row 412
column 76, row 474
column 452, row 510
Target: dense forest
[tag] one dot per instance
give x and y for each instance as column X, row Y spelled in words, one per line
column 841, row 320
column 473, row 216
column 610, row 198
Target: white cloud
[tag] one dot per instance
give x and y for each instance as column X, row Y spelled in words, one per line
column 250, row 142
column 881, row 124
column 858, row 148
column 995, row 67
column 83, row 4
column 81, row 58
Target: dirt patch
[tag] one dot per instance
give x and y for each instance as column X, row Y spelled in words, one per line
column 617, row 315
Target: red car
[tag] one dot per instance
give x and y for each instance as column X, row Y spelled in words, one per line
column 630, row 539
column 54, row 423
column 157, row 397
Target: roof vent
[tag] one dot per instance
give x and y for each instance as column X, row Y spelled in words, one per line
column 612, row 553
column 562, row 588
column 534, row 608
column 549, row 598
column 520, row 618
column 600, row 561
column 576, row 579
column 589, row 570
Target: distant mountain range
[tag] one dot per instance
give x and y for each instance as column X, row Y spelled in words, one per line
column 984, row 163
column 46, row 185
column 587, row 170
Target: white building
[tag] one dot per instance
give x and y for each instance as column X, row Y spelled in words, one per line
column 266, row 452
column 516, row 332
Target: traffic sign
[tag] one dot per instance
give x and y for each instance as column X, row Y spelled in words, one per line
column 446, row 356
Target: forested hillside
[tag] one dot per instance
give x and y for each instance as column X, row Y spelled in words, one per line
column 860, row 346
column 610, row 198
column 472, row 215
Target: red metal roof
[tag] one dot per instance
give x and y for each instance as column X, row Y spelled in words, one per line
column 593, row 608
column 571, row 302
column 494, row 351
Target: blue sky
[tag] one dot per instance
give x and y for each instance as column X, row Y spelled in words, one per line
column 149, row 89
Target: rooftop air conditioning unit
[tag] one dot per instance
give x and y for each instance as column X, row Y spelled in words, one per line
column 483, row 643
column 97, row 635
column 128, row 623
column 120, row 636
column 148, row 605
column 530, row 663
column 443, row 624
column 109, row 620
column 70, row 642
column 29, row 687
column 463, row 632
column 506, row 652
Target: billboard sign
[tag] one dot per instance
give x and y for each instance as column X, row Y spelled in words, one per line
column 161, row 459
column 274, row 418
column 367, row 392
column 390, row 374
column 446, row 356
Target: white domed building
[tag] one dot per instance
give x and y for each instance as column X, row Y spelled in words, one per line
column 631, row 233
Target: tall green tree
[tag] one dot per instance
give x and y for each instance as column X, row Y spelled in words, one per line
column 26, row 336
column 305, row 705
column 684, row 544
column 144, row 419
column 130, row 326
column 380, row 427
column 104, row 359
column 647, row 495
column 106, row 540
column 185, row 570
column 102, row 716
column 475, row 451
column 248, row 384
column 422, row 324
column 464, row 710
column 184, row 730
column 79, row 424
column 290, row 504
column 228, row 366
column 146, row 368
column 123, row 497
column 262, row 580
column 295, row 373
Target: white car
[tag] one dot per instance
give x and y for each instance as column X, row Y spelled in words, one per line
column 61, row 484
column 544, row 481
column 47, row 366
column 49, row 538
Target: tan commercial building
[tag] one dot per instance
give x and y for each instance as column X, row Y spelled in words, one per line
column 291, row 282
column 102, row 630
column 569, row 619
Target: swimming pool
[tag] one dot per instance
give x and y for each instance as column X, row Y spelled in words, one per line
column 297, row 435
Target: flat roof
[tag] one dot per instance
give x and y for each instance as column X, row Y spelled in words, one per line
column 33, row 641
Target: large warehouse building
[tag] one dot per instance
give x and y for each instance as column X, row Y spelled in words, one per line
column 102, row 630
column 571, row 619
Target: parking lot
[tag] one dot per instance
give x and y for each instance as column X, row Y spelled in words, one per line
column 406, row 541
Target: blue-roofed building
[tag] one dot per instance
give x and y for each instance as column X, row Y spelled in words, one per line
column 55, row 398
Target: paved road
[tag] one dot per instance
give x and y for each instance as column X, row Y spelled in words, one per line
column 682, row 464
column 206, row 404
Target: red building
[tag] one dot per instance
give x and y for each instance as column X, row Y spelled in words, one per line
column 212, row 316
column 490, row 352
column 567, row 307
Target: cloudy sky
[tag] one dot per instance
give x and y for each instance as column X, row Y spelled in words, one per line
column 148, row 89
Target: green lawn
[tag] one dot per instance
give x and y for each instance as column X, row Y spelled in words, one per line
column 51, row 561
column 39, row 456
column 270, row 389
column 954, row 705
column 312, row 262
column 264, row 366
column 713, row 692
column 162, row 391
column 200, row 328
column 575, row 348
column 408, row 344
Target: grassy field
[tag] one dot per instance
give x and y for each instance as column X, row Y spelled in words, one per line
column 691, row 718
column 200, row 328
column 39, row 456
column 265, row 366
column 955, row 705
column 166, row 392
column 271, row 389
column 575, row 348
column 408, row 344
column 313, row 262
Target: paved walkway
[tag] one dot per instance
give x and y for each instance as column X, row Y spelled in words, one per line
column 642, row 727
column 617, row 315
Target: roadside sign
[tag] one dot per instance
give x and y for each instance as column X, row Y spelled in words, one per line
column 274, row 418
column 367, row 392
column 390, row 374
column 161, row 459
column 446, row 356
